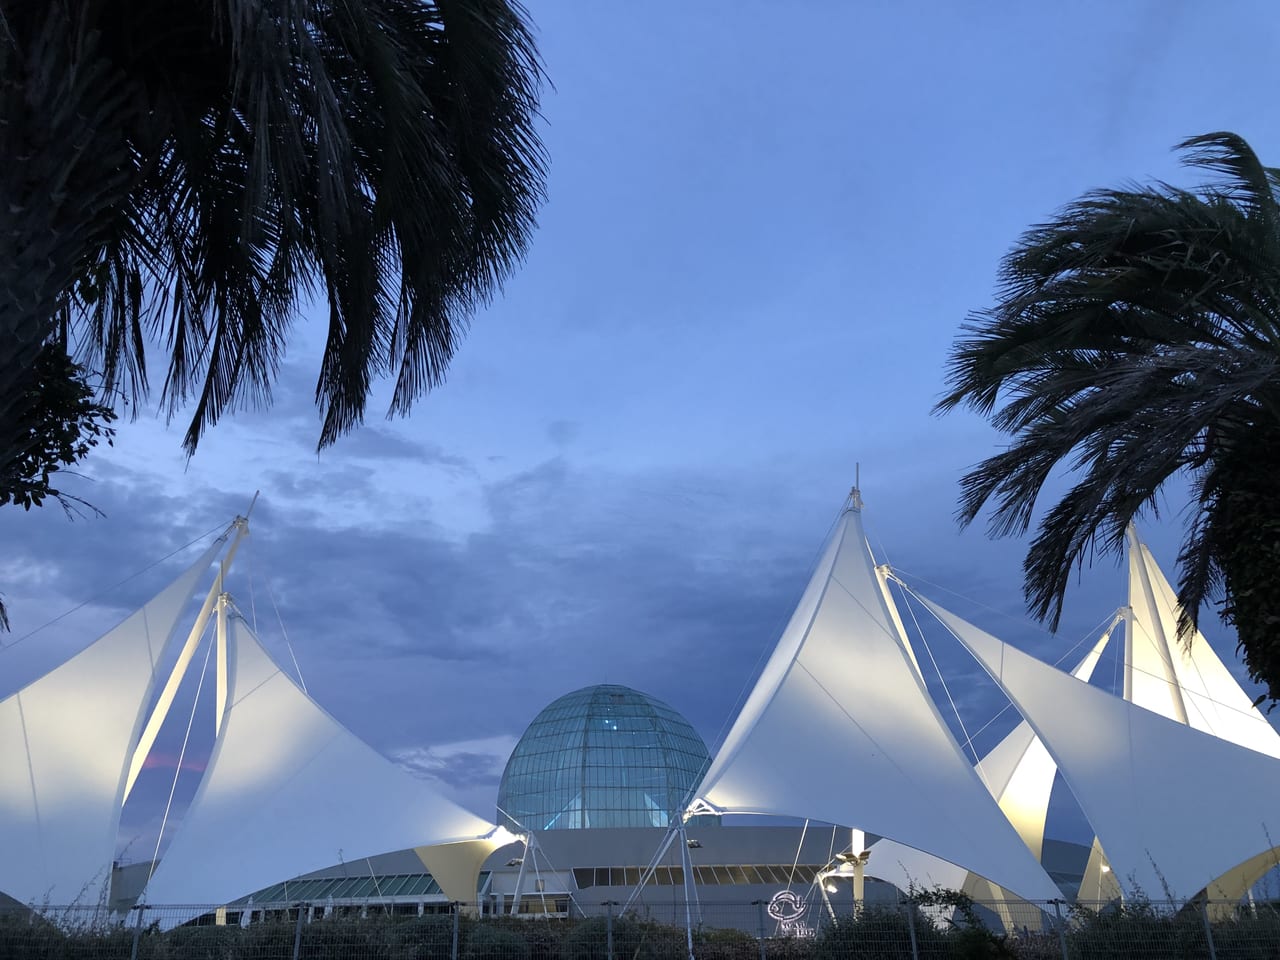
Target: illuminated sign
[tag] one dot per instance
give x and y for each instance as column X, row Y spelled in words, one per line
column 789, row 910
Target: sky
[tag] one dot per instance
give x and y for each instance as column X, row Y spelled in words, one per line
column 764, row 230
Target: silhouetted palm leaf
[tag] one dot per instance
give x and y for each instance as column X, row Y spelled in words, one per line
column 1136, row 336
column 193, row 175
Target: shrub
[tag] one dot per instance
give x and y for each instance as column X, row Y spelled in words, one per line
column 368, row 939
column 1138, row 927
column 632, row 940
column 204, row 942
column 967, row 936
column 491, row 941
column 268, row 938
column 423, row 938
column 544, row 936
column 878, row 933
column 25, row 936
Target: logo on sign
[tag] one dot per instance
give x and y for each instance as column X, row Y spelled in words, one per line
column 789, row 910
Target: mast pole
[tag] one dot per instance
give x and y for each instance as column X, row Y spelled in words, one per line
column 652, row 867
column 529, row 847
column 220, row 687
column 1131, row 535
column 687, row 868
column 147, row 738
column 1126, row 616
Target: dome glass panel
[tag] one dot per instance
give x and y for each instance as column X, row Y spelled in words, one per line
column 603, row 756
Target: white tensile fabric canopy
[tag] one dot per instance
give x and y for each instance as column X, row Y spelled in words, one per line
column 841, row 728
column 65, row 742
column 288, row 790
column 1173, row 807
column 1019, row 771
column 906, row 867
column 1187, row 683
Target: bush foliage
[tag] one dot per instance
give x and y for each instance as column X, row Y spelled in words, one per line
column 943, row 924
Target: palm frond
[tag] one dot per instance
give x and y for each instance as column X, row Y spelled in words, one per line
column 1135, row 337
column 382, row 154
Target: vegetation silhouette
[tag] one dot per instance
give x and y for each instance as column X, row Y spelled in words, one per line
column 1135, row 338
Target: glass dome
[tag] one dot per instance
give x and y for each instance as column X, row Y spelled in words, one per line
column 603, row 756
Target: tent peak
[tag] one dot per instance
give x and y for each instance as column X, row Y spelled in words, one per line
column 855, row 502
column 1131, row 535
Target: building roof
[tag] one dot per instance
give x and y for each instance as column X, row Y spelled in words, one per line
column 602, row 756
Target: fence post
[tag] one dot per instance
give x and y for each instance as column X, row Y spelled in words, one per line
column 608, row 929
column 1208, row 929
column 137, row 929
column 911, row 929
column 759, row 904
column 297, row 930
column 1059, row 926
column 453, row 946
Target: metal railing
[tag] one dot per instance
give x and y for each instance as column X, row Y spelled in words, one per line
column 920, row 928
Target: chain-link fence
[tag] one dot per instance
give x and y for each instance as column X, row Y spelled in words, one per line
column 925, row 927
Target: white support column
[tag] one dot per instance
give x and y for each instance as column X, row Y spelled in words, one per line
column 524, row 863
column 822, row 879
column 1126, row 612
column 220, row 674
column 220, row 687
column 858, row 847
column 884, row 573
column 1131, row 537
column 689, row 889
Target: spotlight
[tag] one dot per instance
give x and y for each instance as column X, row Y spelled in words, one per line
column 862, row 857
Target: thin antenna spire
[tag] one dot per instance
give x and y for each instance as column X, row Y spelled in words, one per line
column 855, row 495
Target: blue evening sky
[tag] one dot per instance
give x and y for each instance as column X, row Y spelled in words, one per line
column 766, row 224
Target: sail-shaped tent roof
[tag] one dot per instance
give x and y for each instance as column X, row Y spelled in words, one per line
column 288, row 790
column 65, row 741
column 841, row 728
column 1184, row 681
column 1173, row 807
column 1019, row 771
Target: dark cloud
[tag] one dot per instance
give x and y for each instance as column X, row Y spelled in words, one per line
column 420, row 637
column 463, row 765
column 380, row 443
column 671, row 581
column 417, row 637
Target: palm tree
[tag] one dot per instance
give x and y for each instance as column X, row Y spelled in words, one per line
column 1135, row 338
column 186, row 177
